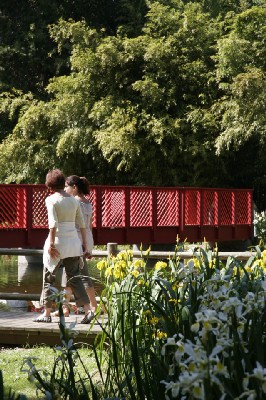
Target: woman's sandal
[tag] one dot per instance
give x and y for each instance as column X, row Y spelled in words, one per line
column 88, row 318
column 43, row 318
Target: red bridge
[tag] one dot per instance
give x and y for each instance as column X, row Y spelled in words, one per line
column 131, row 214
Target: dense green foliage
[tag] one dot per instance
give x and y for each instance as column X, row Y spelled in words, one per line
column 135, row 92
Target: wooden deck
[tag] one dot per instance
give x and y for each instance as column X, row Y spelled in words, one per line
column 18, row 328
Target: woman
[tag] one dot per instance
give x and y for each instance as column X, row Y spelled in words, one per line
column 79, row 187
column 63, row 243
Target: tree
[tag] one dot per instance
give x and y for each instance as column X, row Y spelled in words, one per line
column 241, row 69
column 28, row 56
column 126, row 95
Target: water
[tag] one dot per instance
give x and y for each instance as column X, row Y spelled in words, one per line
column 28, row 278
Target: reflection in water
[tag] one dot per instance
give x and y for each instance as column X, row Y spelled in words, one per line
column 22, row 279
column 28, row 278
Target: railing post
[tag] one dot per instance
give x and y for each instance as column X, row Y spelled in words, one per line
column 182, row 213
column 201, row 212
column 234, row 213
column 127, row 211
column 251, row 211
column 112, row 249
column 154, row 213
column 98, row 219
column 29, row 191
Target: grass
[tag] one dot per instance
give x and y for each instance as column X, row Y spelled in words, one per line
column 11, row 361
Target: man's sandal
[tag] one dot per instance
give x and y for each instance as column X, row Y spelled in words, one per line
column 43, row 318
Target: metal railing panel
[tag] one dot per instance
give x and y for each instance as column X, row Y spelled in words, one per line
column 168, row 207
column 13, row 205
column 140, row 207
column 112, row 207
column 192, row 206
column 210, row 207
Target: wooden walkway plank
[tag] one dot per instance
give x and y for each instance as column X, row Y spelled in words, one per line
column 18, row 328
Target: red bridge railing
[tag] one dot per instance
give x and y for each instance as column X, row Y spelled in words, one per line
column 130, row 214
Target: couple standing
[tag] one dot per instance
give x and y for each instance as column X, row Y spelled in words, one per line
column 70, row 240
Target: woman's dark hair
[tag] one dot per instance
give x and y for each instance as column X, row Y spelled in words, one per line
column 55, row 179
column 80, row 182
